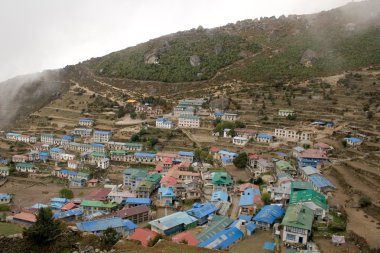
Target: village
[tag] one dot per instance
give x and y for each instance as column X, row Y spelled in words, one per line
column 210, row 196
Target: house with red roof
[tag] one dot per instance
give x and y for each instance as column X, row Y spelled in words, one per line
column 312, row 157
column 24, row 218
column 99, row 194
column 186, row 236
column 143, row 235
column 68, row 206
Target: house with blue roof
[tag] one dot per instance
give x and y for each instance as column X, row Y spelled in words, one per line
column 321, row 184
column 55, row 153
column 186, row 156
column 144, row 157
column 77, row 182
column 164, row 123
column 227, row 157
column 97, row 227
column 219, row 196
column 264, row 138
column 353, row 141
column 268, row 215
column 307, row 171
column 98, row 147
column 173, row 223
column 101, row 136
column 5, row 198
column 202, row 212
column 130, row 201
column 58, row 203
column 249, row 201
column 69, row 215
column 67, row 139
column 86, row 122
column 39, row 206
column 166, row 196
column 225, row 238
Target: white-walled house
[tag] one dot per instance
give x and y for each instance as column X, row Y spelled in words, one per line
column 240, row 141
column 189, row 121
column 164, row 123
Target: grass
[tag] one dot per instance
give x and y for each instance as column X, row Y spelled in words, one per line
column 9, row 229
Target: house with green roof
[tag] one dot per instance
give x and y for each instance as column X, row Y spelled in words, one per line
column 119, row 155
column 94, row 206
column 297, row 224
column 26, row 167
column 221, row 181
column 133, row 177
column 300, row 186
column 4, row 171
column 285, row 166
column 144, row 189
column 312, row 199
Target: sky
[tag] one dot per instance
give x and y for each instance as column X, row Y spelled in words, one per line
column 48, row 34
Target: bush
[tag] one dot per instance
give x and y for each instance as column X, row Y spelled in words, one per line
column 66, row 193
column 109, row 238
column 364, row 201
column 241, row 160
column 4, row 208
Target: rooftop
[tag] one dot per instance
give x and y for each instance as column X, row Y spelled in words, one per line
column 173, row 220
column 298, row 216
column 308, row 196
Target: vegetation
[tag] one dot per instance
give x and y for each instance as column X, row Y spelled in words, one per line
column 214, row 49
column 241, row 160
column 66, row 193
column 109, row 238
column 365, row 201
column 45, row 230
column 4, row 208
column 221, row 125
column 202, row 155
column 265, row 197
column 154, row 240
column 9, row 229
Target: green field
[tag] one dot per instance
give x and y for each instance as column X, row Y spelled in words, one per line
column 9, row 229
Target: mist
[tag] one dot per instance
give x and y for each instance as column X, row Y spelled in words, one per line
column 44, row 34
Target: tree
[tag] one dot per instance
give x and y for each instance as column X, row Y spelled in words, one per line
column 66, row 193
column 109, row 238
column 241, row 160
column 45, row 230
column 365, row 201
column 135, row 138
column 133, row 115
column 265, row 198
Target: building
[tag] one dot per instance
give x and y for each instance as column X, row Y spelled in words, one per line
column 173, row 223
column 73, row 164
column 267, row 216
column 313, row 200
column 97, row 227
column 94, row 206
column 189, row 121
column 143, row 235
column 103, row 163
column 77, row 183
column 240, row 141
column 185, row 156
column 245, row 132
column 33, row 155
column 136, row 214
column 202, row 212
column 24, row 219
column 221, row 181
column 4, row 171
column 216, row 224
column 285, row 112
column 5, row 198
column 312, row 157
column 249, row 201
column 101, row 136
column 197, row 102
column 55, row 153
column 183, row 110
column 227, row 157
column 230, row 116
column 25, row 167
column 219, row 196
column 264, row 138
column 119, row 155
column 307, row 171
column 166, row 196
column 285, row 166
column 86, row 122
column 131, row 202
column 82, row 132
column 133, row 177
column 187, row 237
column 20, row 158
column 143, row 157
column 292, row 135
column 321, row 184
column 353, row 141
column 297, row 224
column 48, row 138
column 164, row 123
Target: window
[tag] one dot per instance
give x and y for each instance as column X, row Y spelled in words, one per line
column 290, row 237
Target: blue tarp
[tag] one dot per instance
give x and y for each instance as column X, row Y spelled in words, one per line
column 269, row 246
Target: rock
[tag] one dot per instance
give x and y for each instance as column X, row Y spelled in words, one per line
column 195, row 60
column 97, row 250
column 75, row 252
column 308, row 58
column 218, row 49
column 151, row 58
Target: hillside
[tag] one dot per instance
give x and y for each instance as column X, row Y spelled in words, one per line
column 269, row 49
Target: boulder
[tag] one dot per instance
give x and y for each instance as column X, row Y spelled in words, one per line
column 308, row 58
column 195, row 60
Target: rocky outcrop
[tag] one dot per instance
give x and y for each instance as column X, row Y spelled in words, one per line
column 308, row 58
column 195, row 60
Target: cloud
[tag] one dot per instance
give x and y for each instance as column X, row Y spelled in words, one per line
column 45, row 34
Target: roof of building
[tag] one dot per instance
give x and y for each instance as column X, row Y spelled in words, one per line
column 221, row 178
column 39, row 205
column 320, row 181
column 86, row 120
column 69, row 213
column 322, row 145
column 138, row 201
column 309, row 170
column 57, row 150
column 245, row 217
column 186, row 116
column 59, row 200
column 168, row 180
column 309, row 196
column 5, row 196
column 186, row 236
column 68, row 206
column 102, row 132
column 97, row 145
column 96, row 203
column 214, row 149
column 249, row 197
column 269, row 214
column 144, row 154
column 129, row 225
column 100, row 225
column 298, row 216
column 223, row 239
column 166, row 192
column 173, row 220
column 283, row 165
column 301, row 185
column 4, row 168
column 313, row 153
column 138, row 173
column 143, row 235
column 24, row 165
column 264, row 136
column 127, row 212
column 29, row 217
column 99, row 194
column 227, row 153
column 245, row 186
column 245, row 131
column 354, row 139
column 186, row 153
column 219, row 195
column 216, row 224
column 199, row 210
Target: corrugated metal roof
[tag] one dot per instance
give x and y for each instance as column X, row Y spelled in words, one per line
column 223, row 239
column 269, row 214
column 201, row 210
column 173, row 220
column 138, row 201
column 320, row 181
column 100, row 225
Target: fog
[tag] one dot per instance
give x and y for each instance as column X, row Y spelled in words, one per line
column 45, row 34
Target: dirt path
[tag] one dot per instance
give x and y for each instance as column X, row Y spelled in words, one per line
column 235, row 207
